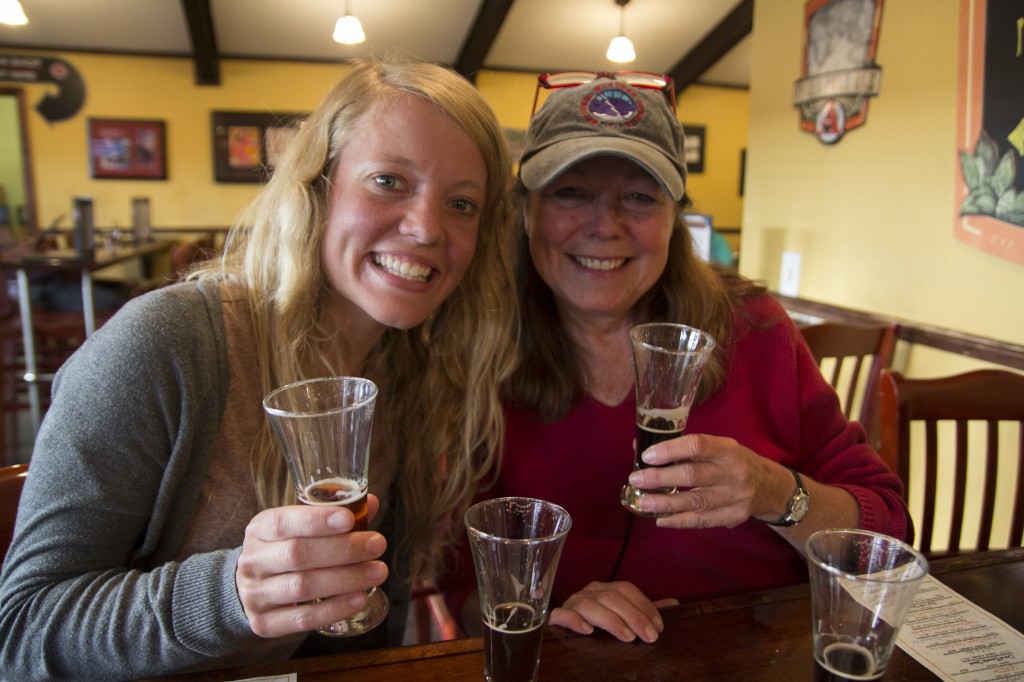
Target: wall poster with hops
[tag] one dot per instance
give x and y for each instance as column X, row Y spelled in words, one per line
column 989, row 193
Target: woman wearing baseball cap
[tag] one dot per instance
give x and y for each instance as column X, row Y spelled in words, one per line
column 767, row 456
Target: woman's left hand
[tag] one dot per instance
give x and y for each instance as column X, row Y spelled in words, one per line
column 719, row 482
column 620, row 608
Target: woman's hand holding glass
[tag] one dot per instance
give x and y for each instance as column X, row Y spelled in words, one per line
column 720, row 482
column 294, row 555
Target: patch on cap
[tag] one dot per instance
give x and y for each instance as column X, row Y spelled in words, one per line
column 613, row 103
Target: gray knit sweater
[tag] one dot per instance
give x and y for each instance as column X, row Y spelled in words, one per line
column 90, row 588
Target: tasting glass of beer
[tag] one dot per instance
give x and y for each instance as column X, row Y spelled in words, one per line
column 668, row 360
column 324, row 429
column 862, row 584
column 516, row 543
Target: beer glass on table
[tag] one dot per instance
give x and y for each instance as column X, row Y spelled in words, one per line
column 862, row 585
column 323, row 426
column 516, row 543
column 668, row 360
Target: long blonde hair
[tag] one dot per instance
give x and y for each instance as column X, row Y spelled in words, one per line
column 438, row 405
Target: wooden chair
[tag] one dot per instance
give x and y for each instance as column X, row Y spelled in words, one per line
column 12, row 479
column 985, row 397
column 188, row 252
column 863, row 351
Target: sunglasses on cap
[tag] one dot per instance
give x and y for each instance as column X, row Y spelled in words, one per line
column 638, row 79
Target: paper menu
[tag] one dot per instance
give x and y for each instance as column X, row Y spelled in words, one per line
column 957, row 640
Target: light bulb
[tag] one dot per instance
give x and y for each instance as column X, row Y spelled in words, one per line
column 621, row 50
column 349, row 31
column 12, row 13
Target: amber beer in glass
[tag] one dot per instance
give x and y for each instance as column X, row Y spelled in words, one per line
column 323, row 426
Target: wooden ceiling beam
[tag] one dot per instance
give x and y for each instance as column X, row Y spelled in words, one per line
column 481, row 37
column 722, row 38
column 205, row 58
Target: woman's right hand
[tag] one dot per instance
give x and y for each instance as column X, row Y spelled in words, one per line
column 619, row 608
column 294, row 555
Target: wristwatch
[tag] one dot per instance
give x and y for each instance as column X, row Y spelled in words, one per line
column 796, row 510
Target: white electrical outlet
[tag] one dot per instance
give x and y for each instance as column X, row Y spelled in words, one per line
column 789, row 274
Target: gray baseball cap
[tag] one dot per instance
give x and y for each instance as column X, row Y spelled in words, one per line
column 605, row 117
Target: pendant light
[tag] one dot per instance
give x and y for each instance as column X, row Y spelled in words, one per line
column 12, row 13
column 621, row 48
column 348, row 30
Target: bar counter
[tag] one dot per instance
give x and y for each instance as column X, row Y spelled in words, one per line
column 758, row 636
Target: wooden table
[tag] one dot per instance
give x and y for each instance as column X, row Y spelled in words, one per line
column 23, row 259
column 759, row 636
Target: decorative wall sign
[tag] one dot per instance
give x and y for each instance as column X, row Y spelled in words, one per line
column 990, row 128
column 247, row 145
column 693, row 147
column 839, row 70
column 70, row 86
column 128, row 149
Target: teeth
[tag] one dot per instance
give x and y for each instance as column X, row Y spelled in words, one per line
column 599, row 264
column 402, row 268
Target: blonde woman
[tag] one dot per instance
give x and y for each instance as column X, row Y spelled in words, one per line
column 157, row 532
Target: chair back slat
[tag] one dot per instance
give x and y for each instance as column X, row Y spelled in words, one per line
column 1017, row 523
column 851, row 389
column 982, row 399
column 872, row 346
column 988, row 500
column 931, row 483
column 956, row 523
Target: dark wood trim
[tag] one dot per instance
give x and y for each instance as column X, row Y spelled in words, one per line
column 205, row 58
column 949, row 340
column 722, row 38
column 481, row 37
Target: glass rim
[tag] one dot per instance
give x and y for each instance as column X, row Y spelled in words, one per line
column 919, row 559
column 282, row 412
column 558, row 509
column 708, row 341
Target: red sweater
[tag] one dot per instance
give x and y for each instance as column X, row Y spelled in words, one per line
column 774, row 401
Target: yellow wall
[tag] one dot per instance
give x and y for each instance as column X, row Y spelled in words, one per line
column 725, row 115
column 872, row 215
column 160, row 88
column 163, row 88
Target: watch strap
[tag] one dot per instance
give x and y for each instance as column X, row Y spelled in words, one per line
column 801, row 492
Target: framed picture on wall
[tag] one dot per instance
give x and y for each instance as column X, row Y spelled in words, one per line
column 127, row 149
column 693, row 148
column 247, row 145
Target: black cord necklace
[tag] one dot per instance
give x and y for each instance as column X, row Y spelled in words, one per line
column 622, row 550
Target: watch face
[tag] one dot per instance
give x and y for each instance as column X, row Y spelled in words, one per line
column 799, row 508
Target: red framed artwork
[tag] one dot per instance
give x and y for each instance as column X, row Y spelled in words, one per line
column 127, row 149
